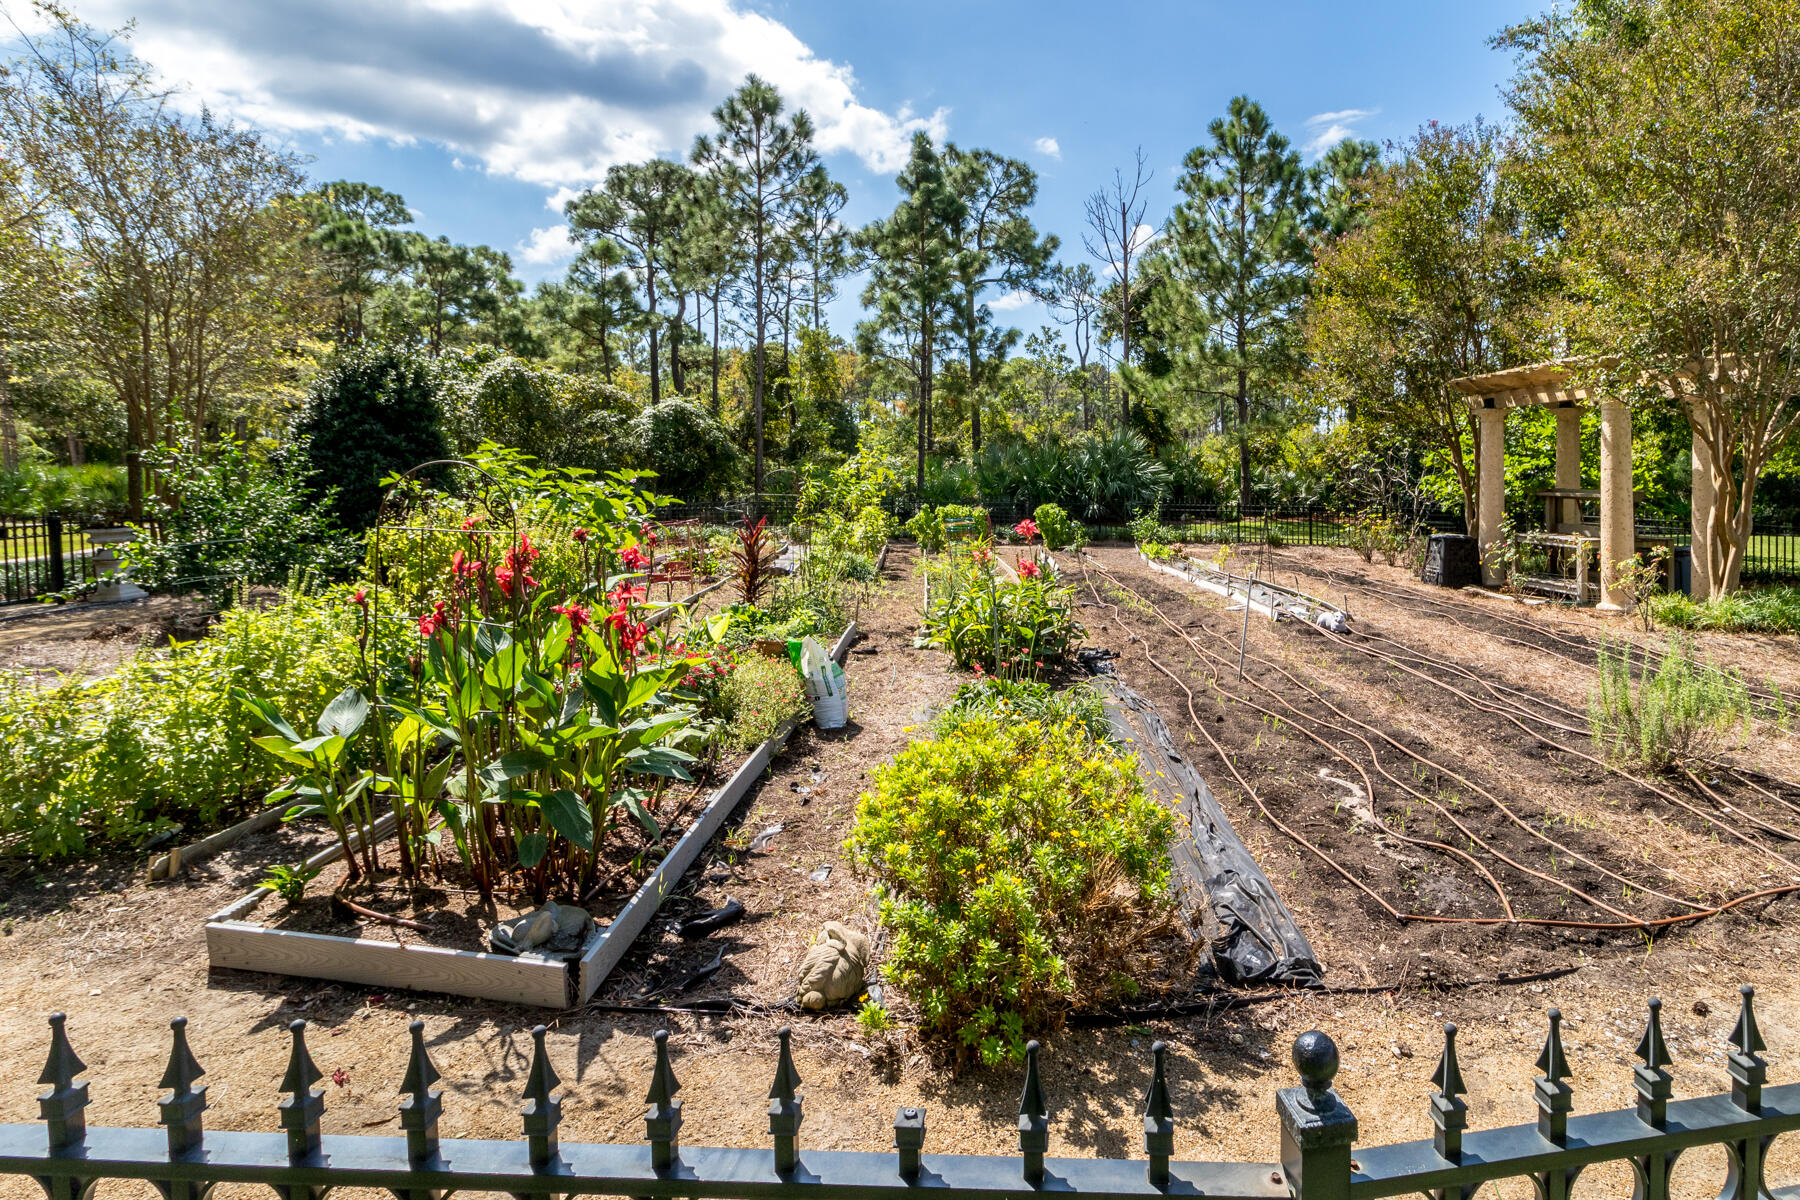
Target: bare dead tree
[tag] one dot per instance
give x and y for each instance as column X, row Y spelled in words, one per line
column 1114, row 216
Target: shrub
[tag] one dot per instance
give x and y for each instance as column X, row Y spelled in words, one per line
column 230, row 517
column 162, row 740
column 1761, row 610
column 1026, row 700
column 374, row 412
column 1682, row 711
column 687, row 447
column 1021, row 872
column 927, row 526
column 1058, row 530
column 559, row 418
column 94, row 494
column 756, row 696
column 999, row 627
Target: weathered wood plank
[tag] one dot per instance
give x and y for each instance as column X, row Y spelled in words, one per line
column 243, row 946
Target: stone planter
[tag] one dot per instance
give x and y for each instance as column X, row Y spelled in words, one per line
column 106, row 565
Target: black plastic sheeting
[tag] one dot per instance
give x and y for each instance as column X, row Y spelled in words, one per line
column 1254, row 937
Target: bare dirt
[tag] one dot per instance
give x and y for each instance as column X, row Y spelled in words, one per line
column 122, row 957
column 89, row 639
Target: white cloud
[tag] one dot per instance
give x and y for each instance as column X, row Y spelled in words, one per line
column 1011, row 301
column 546, row 247
column 1327, row 129
column 547, row 91
column 1048, row 147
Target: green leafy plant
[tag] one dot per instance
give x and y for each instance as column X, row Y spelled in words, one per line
column 229, row 516
column 1021, row 872
column 1682, row 711
column 874, row 1018
column 756, row 697
column 933, row 526
column 1059, row 530
column 99, row 761
column 1026, row 700
column 326, row 778
column 289, row 882
column 1753, row 610
column 999, row 627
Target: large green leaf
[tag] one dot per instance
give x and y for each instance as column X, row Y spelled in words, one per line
column 423, row 715
column 512, row 765
column 659, row 760
column 268, row 712
column 569, row 817
column 532, row 848
column 502, row 672
column 345, row 715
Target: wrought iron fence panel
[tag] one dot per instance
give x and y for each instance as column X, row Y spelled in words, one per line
column 1318, row 1134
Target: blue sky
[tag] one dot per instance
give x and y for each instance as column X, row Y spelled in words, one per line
column 484, row 114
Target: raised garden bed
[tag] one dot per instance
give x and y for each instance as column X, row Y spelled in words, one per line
column 234, row 940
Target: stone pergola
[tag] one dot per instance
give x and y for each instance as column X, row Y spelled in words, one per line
column 1547, row 385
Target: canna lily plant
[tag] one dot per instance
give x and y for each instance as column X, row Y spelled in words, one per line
column 325, row 778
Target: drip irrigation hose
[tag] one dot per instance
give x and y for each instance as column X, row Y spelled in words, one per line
column 1630, row 923
column 1374, row 757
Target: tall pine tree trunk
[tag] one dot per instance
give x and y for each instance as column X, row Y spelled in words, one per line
column 655, row 362
column 972, row 331
column 717, row 288
column 675, row 332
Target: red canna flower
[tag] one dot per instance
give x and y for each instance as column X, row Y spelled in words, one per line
column 1026, row 529
column 579, row 617
column 361, row 598
column 436, row 619
column 473, row 520
column 1028, row 569
column 634, row 559
column 580, row 535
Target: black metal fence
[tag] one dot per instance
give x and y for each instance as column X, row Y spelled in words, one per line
column 41, row 556
column 1320, row 1159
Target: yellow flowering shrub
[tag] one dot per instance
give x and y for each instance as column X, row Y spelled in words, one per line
column 1021, row 871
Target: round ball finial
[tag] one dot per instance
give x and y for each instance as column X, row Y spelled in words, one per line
column 1316, row 1059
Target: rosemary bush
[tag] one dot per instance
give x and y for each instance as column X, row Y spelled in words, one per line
column 1684, row 710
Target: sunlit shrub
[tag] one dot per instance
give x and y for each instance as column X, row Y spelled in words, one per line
column 1021, row 873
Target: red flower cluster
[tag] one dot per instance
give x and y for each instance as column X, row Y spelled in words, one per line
column 648, row 534
column 1028, row 569
column 982, row 555
column 631, row 633
column 462, row 567
column 472, row 521
column 579, row 617
column 580, row 535
column 517, row 565
column 1026, row 529
column 436, row 619
column 634, row 559
column 361, row 598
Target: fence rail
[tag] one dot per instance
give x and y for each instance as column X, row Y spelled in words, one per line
column 1318, row 1133
column 41, row 556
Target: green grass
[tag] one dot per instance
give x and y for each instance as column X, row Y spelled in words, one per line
column 1753, row 610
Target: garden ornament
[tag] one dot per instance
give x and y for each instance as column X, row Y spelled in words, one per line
column 833, row 967
column 554, row 927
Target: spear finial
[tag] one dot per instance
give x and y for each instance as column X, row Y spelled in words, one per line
column 542, row 1111
column 785, row 1109
column 62, row 1106
column 662, row 1121
column 1159, row 1118
column 180, row 1110
column 1554, row 1097
column 1449, row 1111
column 301, row 1111
column 1034, row 1118
column 422, row 1104
column 1744, row 1064
column 1651, row 1077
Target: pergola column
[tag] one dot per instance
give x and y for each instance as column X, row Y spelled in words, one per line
column 1490, row 486
column 1568, row 462
column 1701, row 495
column 1618, row 523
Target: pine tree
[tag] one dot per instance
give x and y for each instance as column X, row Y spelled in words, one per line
column 760, row 162
column 641, row 206
column 996, row 246
column 1237, row 252
column 912, row 276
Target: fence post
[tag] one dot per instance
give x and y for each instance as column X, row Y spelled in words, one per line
column 53, row 530
column 1317, row 1130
